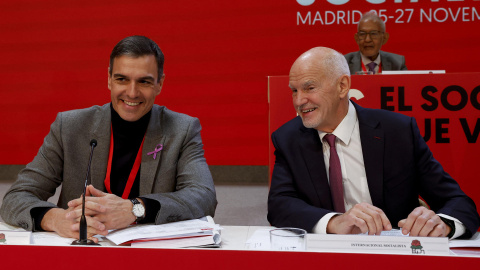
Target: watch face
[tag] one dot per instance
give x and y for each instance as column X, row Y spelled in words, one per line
column 138, row 210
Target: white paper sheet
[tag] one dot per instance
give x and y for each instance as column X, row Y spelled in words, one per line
column 393, row 232
column 187, row 227
column 50, row 239
column 260, row 240
column 6, row 227
column 472, row 242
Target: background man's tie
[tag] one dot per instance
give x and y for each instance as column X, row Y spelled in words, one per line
column 371, row 66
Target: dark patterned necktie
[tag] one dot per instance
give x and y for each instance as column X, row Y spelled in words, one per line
column 371, row 66
column 335, row 174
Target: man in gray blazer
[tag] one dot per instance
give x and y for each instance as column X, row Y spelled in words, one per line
column 149, row 164
column 370, row 37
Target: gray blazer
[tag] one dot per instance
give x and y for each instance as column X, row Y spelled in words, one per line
column 390, row 61
column 179, row 178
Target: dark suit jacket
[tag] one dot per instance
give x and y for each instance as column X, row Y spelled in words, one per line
column 398, row 164
column 389, row 61
column 178, row 178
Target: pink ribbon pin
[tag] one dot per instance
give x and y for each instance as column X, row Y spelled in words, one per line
column 158, row 148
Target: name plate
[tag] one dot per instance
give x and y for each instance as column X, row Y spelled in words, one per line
column 378, row 244
column 15, row 237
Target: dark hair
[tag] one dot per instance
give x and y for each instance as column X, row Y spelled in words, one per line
column 136, row 46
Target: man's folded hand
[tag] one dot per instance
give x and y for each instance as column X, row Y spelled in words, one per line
column 361, row 218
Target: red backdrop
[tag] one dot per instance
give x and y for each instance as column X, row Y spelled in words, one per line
column 54, row 57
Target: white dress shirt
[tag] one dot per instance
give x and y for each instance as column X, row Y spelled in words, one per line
column 354, row 178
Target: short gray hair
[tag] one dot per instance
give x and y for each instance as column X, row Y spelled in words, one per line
column 371, row 15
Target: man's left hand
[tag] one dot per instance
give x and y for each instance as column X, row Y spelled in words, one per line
column 424, row 222
column 113, row 211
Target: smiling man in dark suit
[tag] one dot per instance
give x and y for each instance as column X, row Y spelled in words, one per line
column 344, row 169
column 149, row 165
column 371, row 35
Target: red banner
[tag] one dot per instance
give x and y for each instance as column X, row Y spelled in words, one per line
column 54, row 57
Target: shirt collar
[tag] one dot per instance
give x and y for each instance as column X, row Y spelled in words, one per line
column 345, row 129
column 366, row 60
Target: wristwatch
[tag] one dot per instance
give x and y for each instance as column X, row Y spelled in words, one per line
column 138, row 210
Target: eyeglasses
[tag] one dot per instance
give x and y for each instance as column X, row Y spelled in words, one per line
column 373, row 34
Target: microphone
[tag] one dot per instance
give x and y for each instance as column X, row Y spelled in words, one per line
column 82, row 240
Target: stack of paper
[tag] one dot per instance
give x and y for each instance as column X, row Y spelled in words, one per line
column 188, row 233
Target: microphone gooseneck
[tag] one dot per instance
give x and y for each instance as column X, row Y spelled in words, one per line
column 82, row 240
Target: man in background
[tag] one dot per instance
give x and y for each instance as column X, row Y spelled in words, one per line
column 343, row 169
column 149, row 165
column 370, row 37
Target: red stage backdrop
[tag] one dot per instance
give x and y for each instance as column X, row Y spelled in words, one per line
column 54, row 57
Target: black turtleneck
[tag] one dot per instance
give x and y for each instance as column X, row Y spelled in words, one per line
column 127, row 138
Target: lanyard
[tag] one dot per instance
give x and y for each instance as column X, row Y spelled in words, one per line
column 379, row 68
column 133, row 172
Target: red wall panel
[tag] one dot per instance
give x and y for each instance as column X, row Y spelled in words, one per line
column 54, row 57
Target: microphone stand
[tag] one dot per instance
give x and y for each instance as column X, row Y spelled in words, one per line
column 83, row 220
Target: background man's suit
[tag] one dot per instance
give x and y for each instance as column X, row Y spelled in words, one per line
column 179, row 178
column 398, row 164
column 389, row 61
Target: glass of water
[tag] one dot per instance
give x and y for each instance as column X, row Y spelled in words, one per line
column 288, row 239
